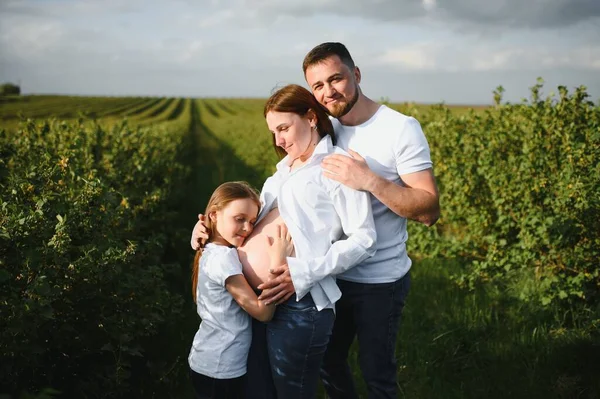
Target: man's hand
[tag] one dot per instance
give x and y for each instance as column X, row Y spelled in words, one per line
column 199, row 234
column 279, row 288
column 352, row 172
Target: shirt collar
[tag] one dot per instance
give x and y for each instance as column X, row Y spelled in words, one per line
column 324, row 146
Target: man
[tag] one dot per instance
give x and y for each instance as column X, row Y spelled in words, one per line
column 390, row 160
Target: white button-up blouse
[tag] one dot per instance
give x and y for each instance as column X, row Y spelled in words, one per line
column 331, row 224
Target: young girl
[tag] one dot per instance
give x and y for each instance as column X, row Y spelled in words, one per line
column 225, row 301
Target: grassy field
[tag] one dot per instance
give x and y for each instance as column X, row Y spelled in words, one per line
column 454, row 343
column 459, row 344
column 144, row 110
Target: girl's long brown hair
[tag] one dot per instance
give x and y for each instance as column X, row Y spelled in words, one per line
column 220, row 198
column 297, row 99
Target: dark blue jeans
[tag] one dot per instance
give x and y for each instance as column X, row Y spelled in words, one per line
column 287, row 352
column 371, row 312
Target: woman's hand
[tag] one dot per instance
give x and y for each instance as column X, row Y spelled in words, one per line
column 199, row 233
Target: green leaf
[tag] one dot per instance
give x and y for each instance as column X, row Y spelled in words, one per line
column 4, row 275
column 562, row 294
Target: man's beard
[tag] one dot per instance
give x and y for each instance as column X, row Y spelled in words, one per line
column 340, row 110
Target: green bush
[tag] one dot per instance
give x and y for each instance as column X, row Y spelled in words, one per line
column 520, row 194
column 84, row 221
column 9, row 89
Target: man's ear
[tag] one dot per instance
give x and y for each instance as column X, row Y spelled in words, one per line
column 357, row 74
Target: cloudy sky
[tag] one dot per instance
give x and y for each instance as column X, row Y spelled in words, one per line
column 455, row 51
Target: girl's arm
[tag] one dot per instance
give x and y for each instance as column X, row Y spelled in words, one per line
column 243, row 294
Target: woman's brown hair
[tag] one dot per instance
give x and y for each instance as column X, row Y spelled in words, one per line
column 300, row 101
column 220, row 198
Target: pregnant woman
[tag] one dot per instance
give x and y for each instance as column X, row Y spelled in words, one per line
column 332, row 230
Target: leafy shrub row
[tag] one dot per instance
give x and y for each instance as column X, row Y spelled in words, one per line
column 520, row 194
column 85, row 218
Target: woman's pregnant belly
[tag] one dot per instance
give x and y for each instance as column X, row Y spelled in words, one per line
column 254, row 253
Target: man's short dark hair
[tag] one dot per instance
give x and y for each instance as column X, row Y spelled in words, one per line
column 326, row 50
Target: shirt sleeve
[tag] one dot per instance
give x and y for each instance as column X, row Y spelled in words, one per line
column 411, row 149
column 223, row 266
column 356, row 216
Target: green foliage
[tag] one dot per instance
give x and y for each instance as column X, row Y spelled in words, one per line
column 90, row 287
column 46, row 393
column 520, row 194
column 7, row 89
column 86, row 214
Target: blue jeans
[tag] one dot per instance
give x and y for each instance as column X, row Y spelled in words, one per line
column 371, row 312
column 291, row 346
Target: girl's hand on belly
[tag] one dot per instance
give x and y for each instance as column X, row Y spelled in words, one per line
column 280, row 246
column 254, row 254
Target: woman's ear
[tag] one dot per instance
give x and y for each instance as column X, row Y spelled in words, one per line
column 312, row 118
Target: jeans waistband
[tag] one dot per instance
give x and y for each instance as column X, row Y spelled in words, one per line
column 306, row 300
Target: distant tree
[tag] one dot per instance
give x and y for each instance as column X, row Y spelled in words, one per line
column 9, row 89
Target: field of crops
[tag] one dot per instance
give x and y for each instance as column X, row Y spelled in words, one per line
column 99, row 195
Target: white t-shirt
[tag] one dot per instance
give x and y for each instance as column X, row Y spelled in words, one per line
column 331, row 225
column 221, row 345
column 393, row 144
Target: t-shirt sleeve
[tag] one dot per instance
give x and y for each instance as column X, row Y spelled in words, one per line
column 411, row 149
column 223, row 265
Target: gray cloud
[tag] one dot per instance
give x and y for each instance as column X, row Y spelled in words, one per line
column 523, row 14
column 61, row 8
column 469, row 14
column 450, row 57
